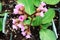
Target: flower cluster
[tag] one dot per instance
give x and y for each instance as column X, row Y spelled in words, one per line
column 41, row 9
column 19, row 22
column 24, row 31
column 18, row 9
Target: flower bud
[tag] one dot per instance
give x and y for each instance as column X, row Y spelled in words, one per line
column 20, row 7
column 15, row 11
column 42, row 14
column 14, row 27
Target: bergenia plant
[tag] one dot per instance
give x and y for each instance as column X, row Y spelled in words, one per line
column 34, row 13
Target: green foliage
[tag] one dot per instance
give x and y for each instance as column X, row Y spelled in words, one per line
column 46, row 34
column 29, row 7
column 36, row 21
column 27, row 22
column 2, row 14
column 49, row 15
column 51, row 2
column 0, row 7
column 1, row 23
column 36, row 2
column 20, row 1
column 44, row 22
column 4, row 21
column 45, row 26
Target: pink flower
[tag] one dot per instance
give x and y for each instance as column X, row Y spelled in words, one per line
column 13, row 21
column 41, row 14
column 45, row 9
column 15, row 11
column 42, row 4
column 21, row 26
column 23, row 33
column 19, row 6
column 40, row 7
column 14, row 27
column 27, row 36
column 21, row 18
column 22, row 29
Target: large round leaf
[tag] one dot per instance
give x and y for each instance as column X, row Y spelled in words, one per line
column 36, row 2
column 36, row 21
column 51, row 2
column 46, row 34
column 49, row 15
column 29, row 7
column 20, row 2
column 45, row 26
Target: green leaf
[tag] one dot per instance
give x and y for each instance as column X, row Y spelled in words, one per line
column 51, row 2
column 46, row 34
column 45, row 26
column 0, row 7
column 27, row 22
column 2, row 14
column 29, row 7
column 4, row 21
column 1, row 23
column 36, row 21
column 20, row 1
column 36, row 2
column 49, row 15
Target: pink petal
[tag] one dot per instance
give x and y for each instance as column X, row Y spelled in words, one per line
column 42, row 14
column 43, row 4
column 19, row 25
column 14, row 27
column 41, row 8
column 28, row 36
column 22, row 29
column 21, row 18
column 45, row 9
column 19, row 6
column 15, row 11
column 13, row 21
column 23, row 33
